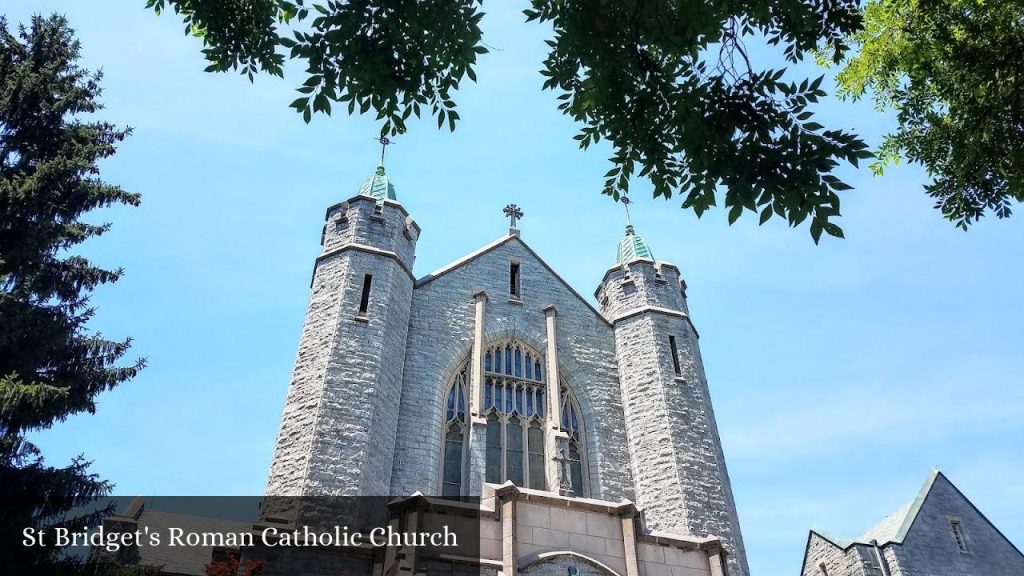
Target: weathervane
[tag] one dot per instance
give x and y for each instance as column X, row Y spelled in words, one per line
column 513, row 213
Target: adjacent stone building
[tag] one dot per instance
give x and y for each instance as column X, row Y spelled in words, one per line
column 938, row 533
column 587, row 432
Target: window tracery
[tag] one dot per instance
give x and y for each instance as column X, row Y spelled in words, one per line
column 514, row 405
column 454, row 437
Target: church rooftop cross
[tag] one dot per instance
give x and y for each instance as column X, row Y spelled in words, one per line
column 384, row 143
column 513, row 213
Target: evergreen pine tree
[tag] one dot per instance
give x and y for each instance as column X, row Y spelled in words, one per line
column 51, row 364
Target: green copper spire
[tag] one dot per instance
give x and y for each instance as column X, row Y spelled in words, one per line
column 632, row 247
column 378, row 186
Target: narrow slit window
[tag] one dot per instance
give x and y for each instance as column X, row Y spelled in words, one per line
column 513, row 280
column 958, row 534
column 364, row 300
column 675, row 355
column 823, row 569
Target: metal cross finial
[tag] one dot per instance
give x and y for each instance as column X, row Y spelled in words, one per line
column 513, row 213
column 384, row 143
column 626, row 202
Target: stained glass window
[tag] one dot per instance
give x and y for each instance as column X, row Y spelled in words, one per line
column 514, row 396
column 454, row 435
column 535, row 439
column 493, row 473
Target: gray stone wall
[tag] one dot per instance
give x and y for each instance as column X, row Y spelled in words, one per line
column 295, row 437
column 889, row 554
column 679, row 470
column 646, row 284
column 821, row 551
column 357, row 418
column 361, row 220
column 341, row 413
column 856, row 560
column 440, row 339
column 930, row 547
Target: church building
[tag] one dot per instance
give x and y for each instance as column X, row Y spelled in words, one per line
column 587, row 433
column 556, row 437
column 940, row 532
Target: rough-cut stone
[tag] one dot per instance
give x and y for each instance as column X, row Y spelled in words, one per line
column 679, row 469
column 366, row 405
column 341, row 414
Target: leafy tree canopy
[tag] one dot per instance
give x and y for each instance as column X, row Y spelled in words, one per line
column 953, row 70
column 51, row 366
column 667, row 84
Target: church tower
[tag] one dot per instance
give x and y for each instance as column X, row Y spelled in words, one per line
column 337, row 434
column 679, row 472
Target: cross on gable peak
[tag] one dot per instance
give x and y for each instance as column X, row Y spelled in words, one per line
column 513, row 213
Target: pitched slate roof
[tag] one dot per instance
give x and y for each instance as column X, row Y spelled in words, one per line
column 891, row 528
column 894, row 527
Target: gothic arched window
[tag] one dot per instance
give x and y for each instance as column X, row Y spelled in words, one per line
column 572, row 424
column 455, row 434
column 514, row 401
column 513, row 406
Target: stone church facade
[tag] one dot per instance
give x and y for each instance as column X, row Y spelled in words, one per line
column 588, row 432
column 490, row 396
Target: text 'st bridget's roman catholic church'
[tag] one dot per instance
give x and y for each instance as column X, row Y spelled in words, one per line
column 589, row 433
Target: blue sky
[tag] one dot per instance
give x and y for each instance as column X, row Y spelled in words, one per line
column 841, row 373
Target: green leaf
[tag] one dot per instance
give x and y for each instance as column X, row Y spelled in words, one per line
column 833, row 230
column 816, row 230
column 734, row 213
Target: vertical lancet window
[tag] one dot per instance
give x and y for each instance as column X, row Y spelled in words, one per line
column 455, row 434
column 535, row 438
column 572, row 424
column 514, row 406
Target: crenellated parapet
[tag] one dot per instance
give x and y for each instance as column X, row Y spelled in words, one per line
column 365, row 223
